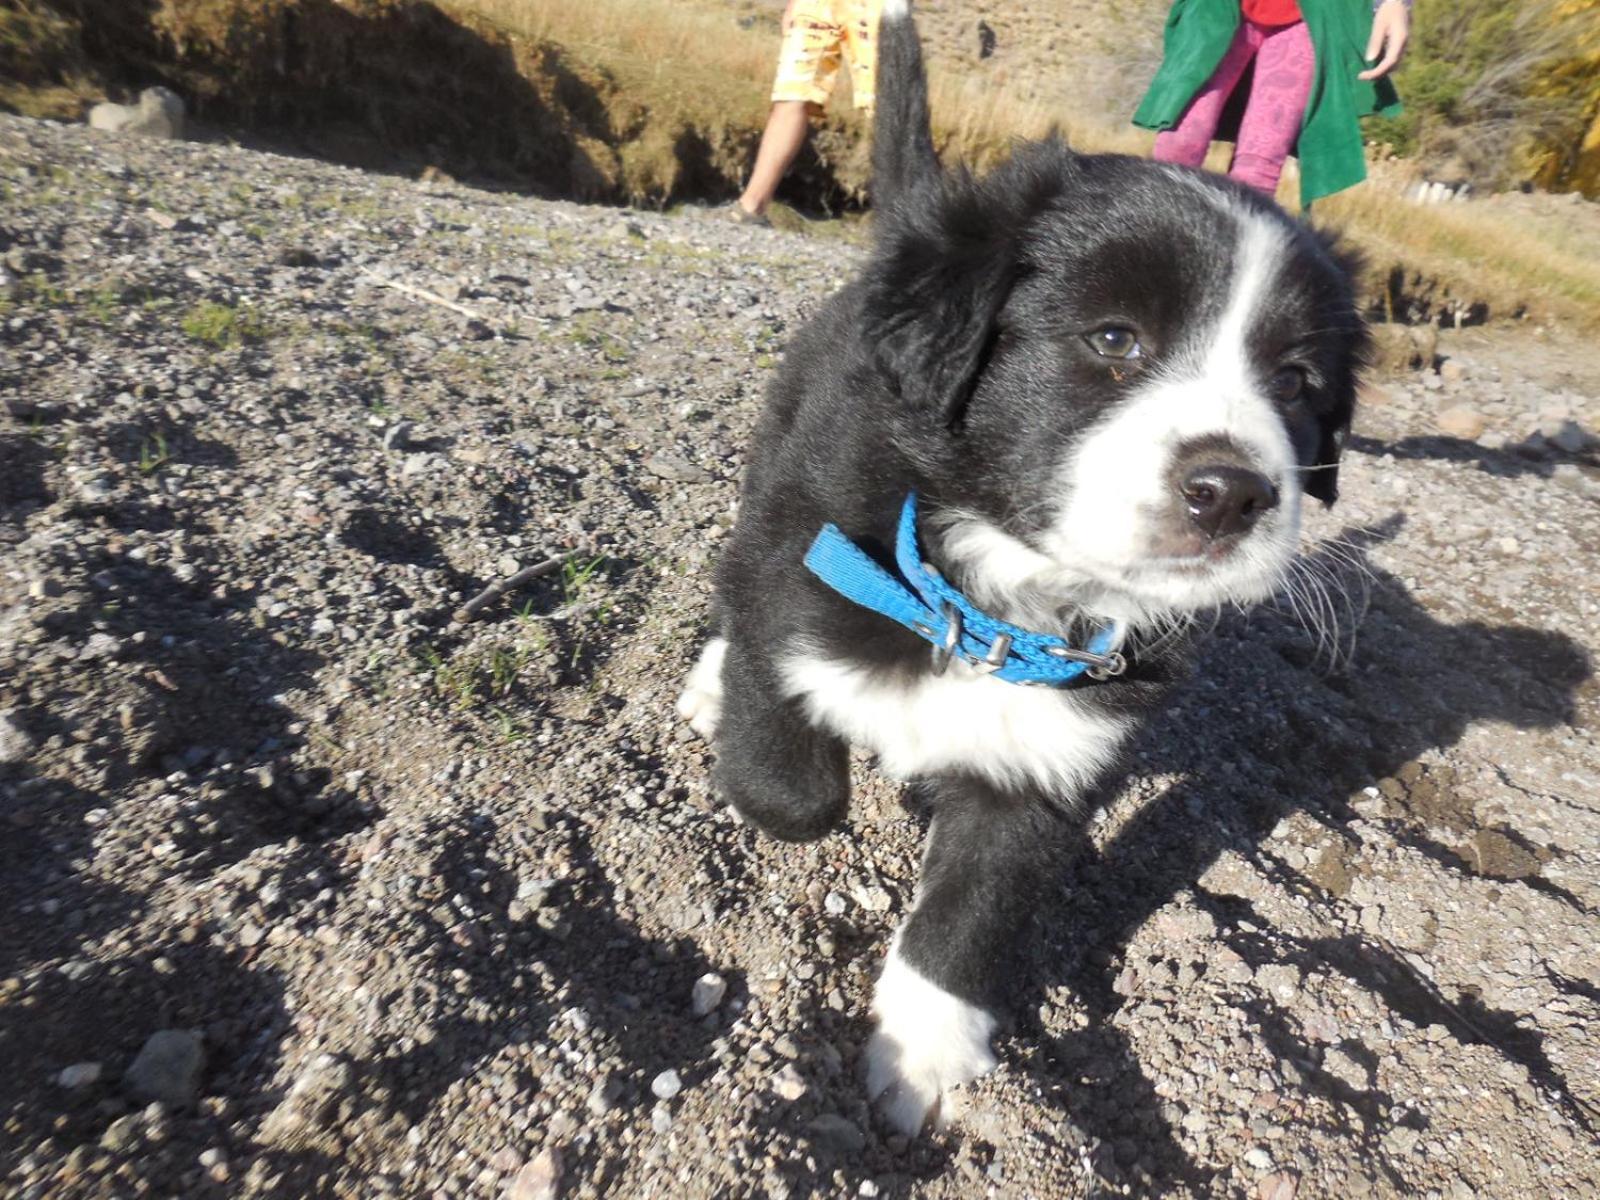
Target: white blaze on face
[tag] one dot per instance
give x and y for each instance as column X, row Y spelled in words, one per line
column 1118, row 481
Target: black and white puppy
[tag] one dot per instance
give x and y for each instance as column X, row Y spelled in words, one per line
column 1109, row 384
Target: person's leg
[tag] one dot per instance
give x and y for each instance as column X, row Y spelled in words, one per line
column 1187, row 142
column 860, row 21
column 781, row 141
column 808, row 67
column 1285, row 66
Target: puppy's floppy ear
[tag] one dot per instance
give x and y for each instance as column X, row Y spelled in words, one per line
column 1333, row 426
column 939, row 280
column 1322, row 481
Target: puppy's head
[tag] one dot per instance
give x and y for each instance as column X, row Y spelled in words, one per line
column 1118, row 378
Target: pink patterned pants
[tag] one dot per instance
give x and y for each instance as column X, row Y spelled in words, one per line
column 1285, row 64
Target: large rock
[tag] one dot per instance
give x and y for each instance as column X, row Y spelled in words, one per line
column 837, row 1134
column 1567, row 435
column 1397, row 349
column 167, row 1068
column 320, row 1099
column 1462, row 421
column 540, row 1179
column 159, row 113
column 15, row 742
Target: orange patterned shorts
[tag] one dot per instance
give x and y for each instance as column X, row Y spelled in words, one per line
column 824, row 34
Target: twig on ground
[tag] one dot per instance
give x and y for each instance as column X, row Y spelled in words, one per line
column 501, row 586
column 430, row 297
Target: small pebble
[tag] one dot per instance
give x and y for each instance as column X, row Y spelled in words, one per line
column 789, row 1083
column 708, row 992
column 79, row 1075
column 666, row 1085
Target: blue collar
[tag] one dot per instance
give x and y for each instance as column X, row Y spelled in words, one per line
column 939, row 614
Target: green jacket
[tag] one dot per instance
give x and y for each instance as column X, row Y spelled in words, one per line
column 1198, row 35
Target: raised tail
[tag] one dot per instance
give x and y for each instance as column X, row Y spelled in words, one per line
column 902, row 140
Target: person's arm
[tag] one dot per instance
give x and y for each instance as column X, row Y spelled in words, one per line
column 1391, row 29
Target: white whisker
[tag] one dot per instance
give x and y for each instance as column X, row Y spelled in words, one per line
column 1326, row 592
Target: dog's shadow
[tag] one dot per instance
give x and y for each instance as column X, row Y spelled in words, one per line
column 1254, row 737
column 1535, row 457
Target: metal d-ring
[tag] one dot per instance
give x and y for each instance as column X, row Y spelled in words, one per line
column 1101, row 666
column 944, row 652
column 1114, row 665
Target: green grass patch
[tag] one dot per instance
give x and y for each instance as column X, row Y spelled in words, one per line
column 223, row 326
column 154, row 454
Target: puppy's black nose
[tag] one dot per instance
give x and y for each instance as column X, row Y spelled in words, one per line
column 1227, row 500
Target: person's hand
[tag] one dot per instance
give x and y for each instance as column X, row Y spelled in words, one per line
column 788, row 15
column 1391, row 29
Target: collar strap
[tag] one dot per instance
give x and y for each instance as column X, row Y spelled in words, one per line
column 928, row 605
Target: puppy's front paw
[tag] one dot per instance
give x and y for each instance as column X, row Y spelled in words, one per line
column 928, row 1042
column 701, row 702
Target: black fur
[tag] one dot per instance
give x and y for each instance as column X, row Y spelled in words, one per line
column 955, row 365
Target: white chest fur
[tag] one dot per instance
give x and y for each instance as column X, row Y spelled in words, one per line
column 962, row 720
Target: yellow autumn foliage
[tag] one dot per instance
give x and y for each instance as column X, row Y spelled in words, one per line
column 1574, row 80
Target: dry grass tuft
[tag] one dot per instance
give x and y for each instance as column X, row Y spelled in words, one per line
column 1486, row 258
column 673, row 54
column 41, row 69
column 977, row 121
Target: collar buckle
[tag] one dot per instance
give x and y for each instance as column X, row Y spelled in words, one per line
column 921, row 600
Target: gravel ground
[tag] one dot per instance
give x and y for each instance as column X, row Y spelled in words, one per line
column 309, row 889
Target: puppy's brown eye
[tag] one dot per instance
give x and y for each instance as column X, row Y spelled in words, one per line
column 1287, row 384
column 1115, row 343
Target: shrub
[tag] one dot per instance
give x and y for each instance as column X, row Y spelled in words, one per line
column 1477, row 85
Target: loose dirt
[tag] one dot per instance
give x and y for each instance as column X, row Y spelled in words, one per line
column 419, row 907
